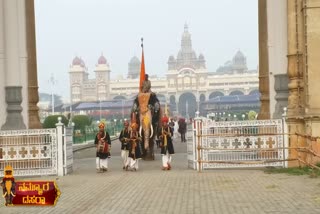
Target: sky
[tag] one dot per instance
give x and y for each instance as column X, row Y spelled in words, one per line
column 89, row 28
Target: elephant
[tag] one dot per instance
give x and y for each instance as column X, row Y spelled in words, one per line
column 8, row 185
column 146, row 108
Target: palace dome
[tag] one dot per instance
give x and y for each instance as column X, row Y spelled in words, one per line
column 76, row 61
column 102, row 60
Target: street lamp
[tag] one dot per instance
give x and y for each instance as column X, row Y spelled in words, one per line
column 52, row 82
column 122, row 105
column 243, row 116
column 235, row 117
column 115, row 124
column 100, row 108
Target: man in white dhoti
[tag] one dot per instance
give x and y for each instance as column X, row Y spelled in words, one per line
column 166, row 144
column 103, row 145
column 124, row 138
column 135, row 147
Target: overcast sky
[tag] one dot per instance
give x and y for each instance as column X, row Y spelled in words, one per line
column 87, row 28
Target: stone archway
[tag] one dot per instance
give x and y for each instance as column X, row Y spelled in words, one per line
column 173, row 104
column 256, row 91
column 187, row 104
column 216, row 94
column 236, row 92
column 119, row 97
column 202, row 99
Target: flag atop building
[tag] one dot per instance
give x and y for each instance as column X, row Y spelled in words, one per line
column 142, row 68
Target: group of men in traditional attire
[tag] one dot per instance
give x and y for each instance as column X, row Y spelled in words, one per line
column 132, row 146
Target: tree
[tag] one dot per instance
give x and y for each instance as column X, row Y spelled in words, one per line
column 81, row 121
column 252, row 115
column 50, row 121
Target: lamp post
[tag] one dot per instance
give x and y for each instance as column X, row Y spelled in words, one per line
column 115, row 124
column 243, row 116
column 122, row 105
column 100, row 108
column 235, row 117
column 187, row 110
column 52, row 82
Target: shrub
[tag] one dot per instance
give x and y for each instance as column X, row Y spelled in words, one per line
column 50, row 121
column 81, row 121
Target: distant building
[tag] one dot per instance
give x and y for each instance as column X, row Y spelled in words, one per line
column 187, row 82
column 232, row 104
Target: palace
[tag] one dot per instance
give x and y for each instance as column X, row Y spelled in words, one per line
column 186, row 84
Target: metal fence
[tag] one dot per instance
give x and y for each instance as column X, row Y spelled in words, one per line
column 233, row 144
column 29, row 152
column 37, row 151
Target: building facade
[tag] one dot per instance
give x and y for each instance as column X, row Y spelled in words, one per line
column 186, row 84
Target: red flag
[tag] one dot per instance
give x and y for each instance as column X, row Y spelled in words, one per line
column 142, row 68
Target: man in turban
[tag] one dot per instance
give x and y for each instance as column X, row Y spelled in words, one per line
column 103, row 145
column 135, row 148
column 146, row 84
column 124, row 138
column 166, row 144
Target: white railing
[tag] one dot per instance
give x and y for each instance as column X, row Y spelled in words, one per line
column 29, row 152
column 68, row 148
column 37, row 152
column 231, row 144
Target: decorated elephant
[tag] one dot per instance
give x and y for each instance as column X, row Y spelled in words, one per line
column 146, row 109
column 8, row 185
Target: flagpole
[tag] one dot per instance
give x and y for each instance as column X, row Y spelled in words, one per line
column 142, row 68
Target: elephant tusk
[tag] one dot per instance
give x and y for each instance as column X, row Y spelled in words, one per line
column 140, row 129
column 151, row 131
column 4, row 195
column 13, row 194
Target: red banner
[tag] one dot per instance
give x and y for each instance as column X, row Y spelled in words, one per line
column 36, row 193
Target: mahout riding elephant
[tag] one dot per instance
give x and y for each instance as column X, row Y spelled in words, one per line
column 146, row 109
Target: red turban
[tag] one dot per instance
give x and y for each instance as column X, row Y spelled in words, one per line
column 165, row 119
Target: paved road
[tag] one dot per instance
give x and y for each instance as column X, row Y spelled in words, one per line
column 181, row 190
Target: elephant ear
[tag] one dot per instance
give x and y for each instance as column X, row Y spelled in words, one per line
column 135, row 106
column 156, row 107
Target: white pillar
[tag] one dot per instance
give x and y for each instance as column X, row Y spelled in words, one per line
column 60, row 145
column 2, row 68
column 285, row 137
column 15, row 63
column 11, row 33
column 196, row 142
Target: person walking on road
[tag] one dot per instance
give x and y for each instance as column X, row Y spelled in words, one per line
column 103, row 145
column 124, row 138
column 166, row 144
column 135, row 148
column 182, row 129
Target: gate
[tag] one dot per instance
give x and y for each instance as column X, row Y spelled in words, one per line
column 29, row 152
column 234, row 144
column 37, row 152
